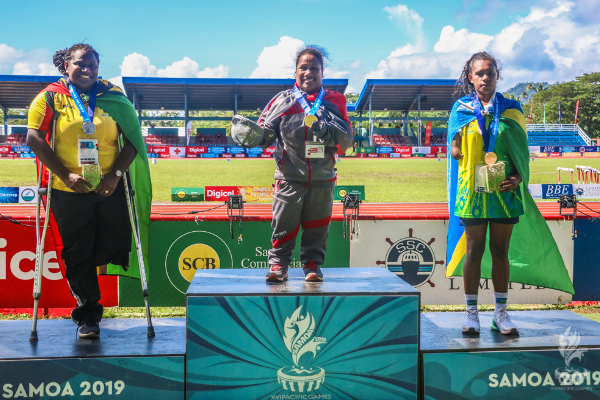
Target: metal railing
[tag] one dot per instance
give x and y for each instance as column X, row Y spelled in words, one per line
column 560, row 128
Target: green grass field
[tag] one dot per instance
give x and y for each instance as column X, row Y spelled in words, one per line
column 385, row 180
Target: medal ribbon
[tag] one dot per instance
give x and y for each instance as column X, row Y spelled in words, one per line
column 304, row 103
column 489, row 134
column 88, row 114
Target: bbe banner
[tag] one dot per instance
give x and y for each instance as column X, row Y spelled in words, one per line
column 195, row 151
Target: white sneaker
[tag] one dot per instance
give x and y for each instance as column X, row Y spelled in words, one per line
column 502, row 323
column 471, row 322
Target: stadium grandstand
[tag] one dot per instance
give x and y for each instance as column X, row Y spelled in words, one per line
column 405, row 101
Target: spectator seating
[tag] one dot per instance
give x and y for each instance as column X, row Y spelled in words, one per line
column 15, row 139
column 555, row 139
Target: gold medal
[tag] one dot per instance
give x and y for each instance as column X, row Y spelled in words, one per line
column 490, row 158
column 309, row 119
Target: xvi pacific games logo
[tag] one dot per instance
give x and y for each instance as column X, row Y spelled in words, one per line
column 412, row 259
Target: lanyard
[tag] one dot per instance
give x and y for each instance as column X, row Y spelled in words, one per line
column 304, row 103
column 489, row 138
column 89, row 114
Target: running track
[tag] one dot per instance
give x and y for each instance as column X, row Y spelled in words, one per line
column 262, row 212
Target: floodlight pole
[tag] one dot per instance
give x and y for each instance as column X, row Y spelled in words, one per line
column 419, row 118
column 185, row 116
column 370, row 119
column 5, row 121
column 235, row 100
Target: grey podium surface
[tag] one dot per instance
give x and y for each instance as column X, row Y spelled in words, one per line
column 340, row 281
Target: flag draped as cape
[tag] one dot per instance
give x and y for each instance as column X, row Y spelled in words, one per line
column 533, row 255
column 112, row 100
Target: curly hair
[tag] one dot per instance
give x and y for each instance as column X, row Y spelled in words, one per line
column 317, row 51
column 463, row 85
column 67, row 54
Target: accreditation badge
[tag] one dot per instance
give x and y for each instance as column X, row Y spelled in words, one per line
column 88, row 151
column 314, row 150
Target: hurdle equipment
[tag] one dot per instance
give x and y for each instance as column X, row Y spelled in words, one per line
column 559, row 169
column 135, row 226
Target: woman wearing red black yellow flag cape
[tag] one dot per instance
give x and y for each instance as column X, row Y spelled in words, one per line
column 495, row 230
column 89, row 204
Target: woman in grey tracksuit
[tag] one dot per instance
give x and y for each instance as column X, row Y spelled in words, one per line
column 304, row 184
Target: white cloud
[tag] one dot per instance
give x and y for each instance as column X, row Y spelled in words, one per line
column 33, row 68
column 221, row 71
column 409, row 21
column 552, row 43
column 25, row 63
column 136, row 64
column 278, row 61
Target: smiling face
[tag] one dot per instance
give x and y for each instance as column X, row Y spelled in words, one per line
column 484, row 77
column 82, row 69
column 309, row 73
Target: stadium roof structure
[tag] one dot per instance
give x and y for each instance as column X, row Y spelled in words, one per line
column 18, row 91
column 405, row 95
column 210, row 93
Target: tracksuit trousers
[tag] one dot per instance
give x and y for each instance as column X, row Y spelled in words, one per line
column 295, row 205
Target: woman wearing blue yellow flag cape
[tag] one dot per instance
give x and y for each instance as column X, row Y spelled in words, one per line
column 488, row 176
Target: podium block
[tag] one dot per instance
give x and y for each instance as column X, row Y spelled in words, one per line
column 355, row 335
column 122, row 364
column 556, row 356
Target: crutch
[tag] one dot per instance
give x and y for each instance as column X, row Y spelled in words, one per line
column 135, row 226
column 41, row 239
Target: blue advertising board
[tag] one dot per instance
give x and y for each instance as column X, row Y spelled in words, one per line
column 9, row 194
column 216, row 150
column 210, row 155
column 21, row 149
column 235, row 150
column 550, row 149
column 587, row 149
column 384, row 150
column 254, row 150
column 556, row 190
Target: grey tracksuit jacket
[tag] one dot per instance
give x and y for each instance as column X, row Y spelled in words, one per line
column 303, row 194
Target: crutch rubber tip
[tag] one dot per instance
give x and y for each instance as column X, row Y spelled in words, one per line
column 150, row 331
column 33, row 336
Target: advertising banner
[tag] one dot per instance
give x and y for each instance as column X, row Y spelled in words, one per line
column 17, row 265
column 179, row 248
column 361, row 155
column 381, row 150
column 366, row 150
column 339, row 192
column 568, row 149
column 21, row 149
column 226, row 155
column 535, row 149
column 266, row 156
column 219, row 193
column 256, row 193
column 554, row 191
column 5, row 149
column 209, row 155
column 395, row 155
column 27, row 155
column 9, row 194
column 235, row 150
column 240, row 155
column 556, row 154
column 416, row 251
column 591, row 155
column 428, row 133
column 162, row 151
column 28, row 194
column 372, row 155
column 384, row 155
column 571, row 154
column 177, row 152
column 195, row 151
column 582, row 149
column 254, row 150
column 439, row 149
column 216, row 150
column 270, row 150
column 421, row 150
column 403, row 150
column 586, row 191
column 539, row 155
column 549, row 149
column 187, row 194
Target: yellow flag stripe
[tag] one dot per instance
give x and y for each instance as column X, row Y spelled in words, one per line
column 457, row 255
column 517, row 116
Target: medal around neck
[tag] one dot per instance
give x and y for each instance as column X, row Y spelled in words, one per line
column 309, row 119
column 490, row 158
column 89, row 128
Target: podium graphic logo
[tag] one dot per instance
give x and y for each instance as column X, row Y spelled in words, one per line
column 181, row 194
column 299, row 338
column 27, row 195
column 412, row 259
column 195, row 257
column 568, row 346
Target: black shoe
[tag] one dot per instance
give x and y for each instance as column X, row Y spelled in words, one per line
column 90, row 330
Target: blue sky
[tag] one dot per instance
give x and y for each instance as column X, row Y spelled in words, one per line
column 536, row 40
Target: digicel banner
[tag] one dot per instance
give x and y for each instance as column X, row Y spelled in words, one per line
column 219, row 193
column 17, row 266
column 162, row 151
column 270, row 150
column 192, row 152
column 403, row 150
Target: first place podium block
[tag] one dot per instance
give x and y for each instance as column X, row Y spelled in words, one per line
column 353, row 336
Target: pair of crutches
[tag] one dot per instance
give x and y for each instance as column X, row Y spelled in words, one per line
column 41, row 238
